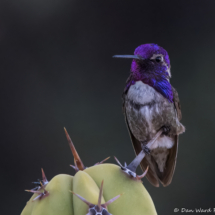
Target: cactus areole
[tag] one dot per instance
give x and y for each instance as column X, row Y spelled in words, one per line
column 103, row 189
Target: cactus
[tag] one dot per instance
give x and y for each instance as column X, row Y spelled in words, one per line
column 102, row 189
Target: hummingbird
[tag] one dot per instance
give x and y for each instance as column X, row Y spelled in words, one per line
column 152, row 112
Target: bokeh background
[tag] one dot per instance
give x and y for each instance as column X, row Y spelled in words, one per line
column 57, row 70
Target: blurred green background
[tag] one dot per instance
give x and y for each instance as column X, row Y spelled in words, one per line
column 57, row 70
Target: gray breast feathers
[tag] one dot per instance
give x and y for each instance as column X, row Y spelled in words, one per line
column 147, row 111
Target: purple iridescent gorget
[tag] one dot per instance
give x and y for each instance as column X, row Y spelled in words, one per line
column 150, row 72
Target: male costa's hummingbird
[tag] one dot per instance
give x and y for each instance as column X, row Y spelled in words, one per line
column 152, row 110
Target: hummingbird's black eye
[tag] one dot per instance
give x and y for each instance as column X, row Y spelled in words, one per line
column 159, row 59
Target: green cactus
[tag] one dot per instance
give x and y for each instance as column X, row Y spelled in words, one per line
column 57, row 201
column 91, row 197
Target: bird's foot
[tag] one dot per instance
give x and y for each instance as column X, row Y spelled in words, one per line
column 166, row 129
column 131, row 168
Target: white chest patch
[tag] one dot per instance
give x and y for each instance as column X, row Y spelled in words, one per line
column 163, row 142
column 142, row 93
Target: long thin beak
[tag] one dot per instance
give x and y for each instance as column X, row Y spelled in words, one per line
column 129, row 56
